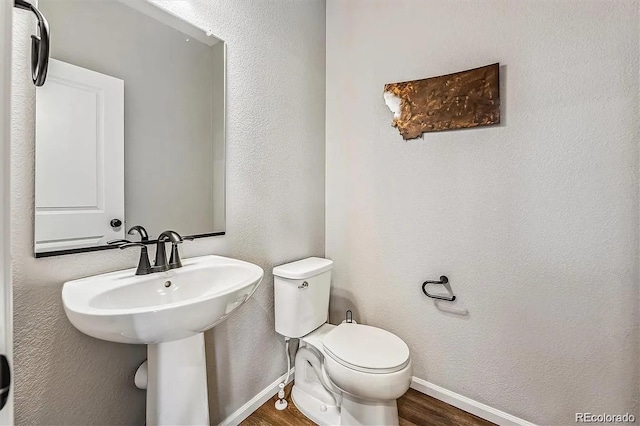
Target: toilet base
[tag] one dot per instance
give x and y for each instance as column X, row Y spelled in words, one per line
column 316, row 410
column 327, row 408
column 356, row 412
column 353, row 412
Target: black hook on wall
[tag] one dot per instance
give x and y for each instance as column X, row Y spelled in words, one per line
column 39, row 44
column 443, row 280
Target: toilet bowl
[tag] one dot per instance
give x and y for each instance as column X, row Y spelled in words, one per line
column 350, row 374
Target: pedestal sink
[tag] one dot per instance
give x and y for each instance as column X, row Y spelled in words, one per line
column 168, row 311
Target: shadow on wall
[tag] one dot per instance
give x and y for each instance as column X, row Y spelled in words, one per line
column 342, row 300
column 450, row 309
column 42, row 394
column 503, row 96
column 231, row 360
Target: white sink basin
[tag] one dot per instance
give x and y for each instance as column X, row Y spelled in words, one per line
column 160, row 307
column 168, row 311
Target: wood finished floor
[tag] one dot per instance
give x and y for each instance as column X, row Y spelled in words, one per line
column 414, row 409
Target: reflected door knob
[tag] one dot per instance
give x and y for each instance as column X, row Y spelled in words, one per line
column 115, row 223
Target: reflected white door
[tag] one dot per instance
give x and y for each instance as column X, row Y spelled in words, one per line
column 79, row 159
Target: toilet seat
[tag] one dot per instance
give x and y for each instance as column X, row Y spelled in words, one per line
column 366, row 349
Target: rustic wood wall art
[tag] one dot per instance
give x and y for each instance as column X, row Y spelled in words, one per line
column 455, row 101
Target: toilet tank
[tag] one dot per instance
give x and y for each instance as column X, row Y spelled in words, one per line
column 301, row 295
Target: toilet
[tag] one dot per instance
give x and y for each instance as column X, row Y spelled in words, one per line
column 349, row 374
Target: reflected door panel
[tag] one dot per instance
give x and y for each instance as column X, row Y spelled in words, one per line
column 80, row 159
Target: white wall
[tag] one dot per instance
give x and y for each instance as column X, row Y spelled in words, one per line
column 534, row 221
column 275, row 214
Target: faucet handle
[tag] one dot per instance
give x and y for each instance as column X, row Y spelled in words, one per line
column 144, row 267
column 139, row 229
column 119, row 241
column 131, row 244
column 175, row 239
column 175, row 261
column 171, row 236
column 182, row 240
column 160, row 263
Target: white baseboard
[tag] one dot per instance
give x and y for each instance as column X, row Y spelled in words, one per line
column 467, row 404
column 462, row 402
column 254, row 403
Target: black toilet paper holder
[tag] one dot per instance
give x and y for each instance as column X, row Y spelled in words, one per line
column 443, row 280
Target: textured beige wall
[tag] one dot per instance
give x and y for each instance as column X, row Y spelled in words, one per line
column 534, row 221
column 275, row 214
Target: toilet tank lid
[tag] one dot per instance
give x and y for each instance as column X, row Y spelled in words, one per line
column 303, row 269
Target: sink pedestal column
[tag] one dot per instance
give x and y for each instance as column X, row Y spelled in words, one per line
column 177, row 386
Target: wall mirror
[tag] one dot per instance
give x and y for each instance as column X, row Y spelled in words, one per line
column 130, row 127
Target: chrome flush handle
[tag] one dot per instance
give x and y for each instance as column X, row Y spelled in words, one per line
column 304, row 285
